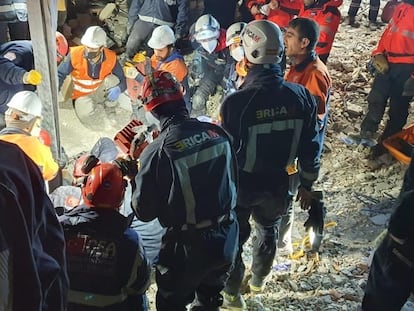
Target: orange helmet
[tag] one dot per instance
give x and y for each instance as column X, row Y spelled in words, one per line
column 104, row 187
column 62, row 47
column 160, row 87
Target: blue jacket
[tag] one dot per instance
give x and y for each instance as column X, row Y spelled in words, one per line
column 107, row 266
column 187, row 174
column 16, row 58
column 272, row 122
column 173, row 13
column 29, row 229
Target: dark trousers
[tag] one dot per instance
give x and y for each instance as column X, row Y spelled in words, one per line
column 374, row 6
column 386, row 87
column 195, row 264
column 266, row 210
column 140, row 33
column 391, row 277
column 223, row 11
column 14, row 31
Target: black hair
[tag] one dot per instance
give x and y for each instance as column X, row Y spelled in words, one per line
column 307, row 28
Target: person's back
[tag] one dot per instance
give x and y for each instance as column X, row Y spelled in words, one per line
column 32, row 244
column 107, row 265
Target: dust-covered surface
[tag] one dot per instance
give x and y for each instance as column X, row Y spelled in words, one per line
column 358, row 193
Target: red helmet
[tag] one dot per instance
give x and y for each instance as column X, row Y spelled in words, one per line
column 160, row 87
column 62, row 47
column 104, row 187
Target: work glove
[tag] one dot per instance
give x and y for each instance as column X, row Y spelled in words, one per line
column 139, row 57
column 265, row 9
column 32, row 77
column 127, row 166
column 408, row 89
column 113, row 93
column 140, row 141
column 316, row 217
column 380, row 63
column 130, row 71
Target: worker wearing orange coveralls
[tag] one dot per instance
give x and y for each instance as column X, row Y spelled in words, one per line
column 394, row 80
column 307, row 69
column 23, row 127
column 280, row 12
column 327, row 15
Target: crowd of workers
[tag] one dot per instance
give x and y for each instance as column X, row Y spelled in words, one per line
column 201, row 185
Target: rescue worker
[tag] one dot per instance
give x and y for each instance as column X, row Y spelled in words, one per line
column 307, row 69
column 187, row 178
column 106, row 259
column 280, row 12
column 236, row 74
column 354, row 6
column 32, row 247
column 209, row 62
column 145, row 15
column 23, row 118
column 13, row 21
column 327, row 15
column 167, row 58
column 266, row 110
column 393, row 60
column 390, row 280
column 17, row 72
column 97, row 77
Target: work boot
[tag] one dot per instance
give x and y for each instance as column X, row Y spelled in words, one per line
column 350, row 20
column 374, row 25
column 377, row 151
column 257, row 284
column 233, row 302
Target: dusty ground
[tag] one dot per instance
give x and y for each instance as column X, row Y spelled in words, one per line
column 358, row 193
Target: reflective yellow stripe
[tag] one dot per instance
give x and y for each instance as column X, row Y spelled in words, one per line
column 12, row 7
column 155, row 20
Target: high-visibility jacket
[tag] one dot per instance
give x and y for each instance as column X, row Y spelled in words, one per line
column 282, row 15
column 174, row 64
column 313, row 74
column 83, row 84
column 34, row 149
column 326, row 14
column 397, row 41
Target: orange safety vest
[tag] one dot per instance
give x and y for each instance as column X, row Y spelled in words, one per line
column 35, row 150
column 397, row 41
column 83, row 84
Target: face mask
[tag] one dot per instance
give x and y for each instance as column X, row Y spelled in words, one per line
column 36, row 129
column 209, row 46
column 237, row 53
column 92, row 55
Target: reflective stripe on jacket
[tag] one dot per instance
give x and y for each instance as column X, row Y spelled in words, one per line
column 397, row 41
column 13, row 11
column 83, row 84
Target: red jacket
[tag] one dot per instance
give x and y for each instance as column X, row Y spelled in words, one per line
column 286, row 11
column 326, row 14
column 397, row 41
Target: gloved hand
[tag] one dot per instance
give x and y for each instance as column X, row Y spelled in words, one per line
column 128, row 167
column 130, row 71
column 33, row 77
column 113, row 93
column 316, row 213
column 139, row 57
column 265, row 9
column 408, row 89
column 140, row 141
column 380, row 63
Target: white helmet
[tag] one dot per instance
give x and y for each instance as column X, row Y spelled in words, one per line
column 94, row 37
column 206, row 28
column 161, row 37
column 233, row 33
column 262, row 42
column 27, row 102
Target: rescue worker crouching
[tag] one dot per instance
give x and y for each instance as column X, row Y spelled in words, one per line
column 210, row 62
column 107, row 265
column 23, row 118
column 187, row 178
column 97, row 77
